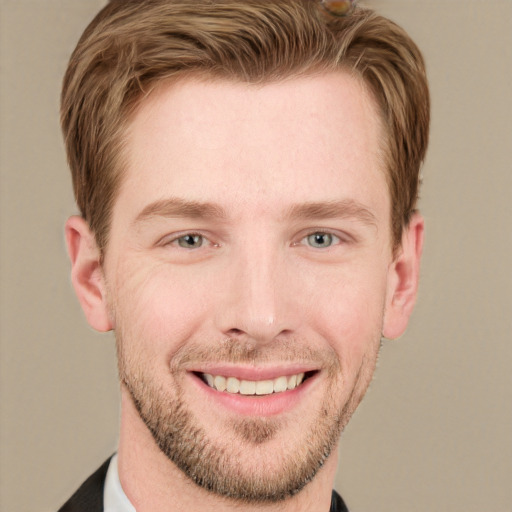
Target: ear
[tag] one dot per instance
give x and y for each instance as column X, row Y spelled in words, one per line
column 87, row 274
column 403, row 276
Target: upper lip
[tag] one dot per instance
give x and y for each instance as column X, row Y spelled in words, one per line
column 254, row 373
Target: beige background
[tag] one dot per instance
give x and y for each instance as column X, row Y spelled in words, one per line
column 435, row 431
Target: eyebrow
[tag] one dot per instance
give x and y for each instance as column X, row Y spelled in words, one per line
column 346, row 208
column 176, row 207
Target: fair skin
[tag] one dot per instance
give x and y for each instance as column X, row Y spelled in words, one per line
column 250, row 239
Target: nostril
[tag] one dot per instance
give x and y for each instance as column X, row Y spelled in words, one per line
column 235, row 332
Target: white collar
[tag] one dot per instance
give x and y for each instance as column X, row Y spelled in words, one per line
column 114, row 498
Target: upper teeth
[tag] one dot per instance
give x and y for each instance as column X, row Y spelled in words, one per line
column 251, row 387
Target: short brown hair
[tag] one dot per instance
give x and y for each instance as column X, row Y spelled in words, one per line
column 132, row 45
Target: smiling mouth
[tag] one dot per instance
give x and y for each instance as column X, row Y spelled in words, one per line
column 252, row 387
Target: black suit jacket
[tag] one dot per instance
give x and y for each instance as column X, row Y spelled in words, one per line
column 89, row 497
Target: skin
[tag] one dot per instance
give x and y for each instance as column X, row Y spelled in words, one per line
column 256, row 296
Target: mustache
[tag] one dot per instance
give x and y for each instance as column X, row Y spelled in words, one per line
column 236, row 351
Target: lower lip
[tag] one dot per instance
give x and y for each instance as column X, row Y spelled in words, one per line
column 251, row 405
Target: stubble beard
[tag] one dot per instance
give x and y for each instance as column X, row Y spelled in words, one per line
column 217, row 468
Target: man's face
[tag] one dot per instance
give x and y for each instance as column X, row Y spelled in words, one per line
column 250, row 248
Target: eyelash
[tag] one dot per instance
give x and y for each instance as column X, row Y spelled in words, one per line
column 336, row 239
column 191, row 234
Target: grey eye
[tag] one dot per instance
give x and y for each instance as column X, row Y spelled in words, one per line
column 320, row 240
column 190, row 241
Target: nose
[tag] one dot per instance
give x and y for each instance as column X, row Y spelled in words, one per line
column 256, row 304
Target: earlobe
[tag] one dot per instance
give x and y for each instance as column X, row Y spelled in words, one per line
column 403, row 277
column 87, row 274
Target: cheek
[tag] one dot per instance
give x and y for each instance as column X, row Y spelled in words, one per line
column 157, row 307
column 349, row 312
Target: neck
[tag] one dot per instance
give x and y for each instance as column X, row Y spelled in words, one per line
column 153, row 483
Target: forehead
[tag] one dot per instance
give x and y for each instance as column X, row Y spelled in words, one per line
column 302, row 139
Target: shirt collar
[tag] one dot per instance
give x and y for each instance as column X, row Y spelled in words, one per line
column 114, row 498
